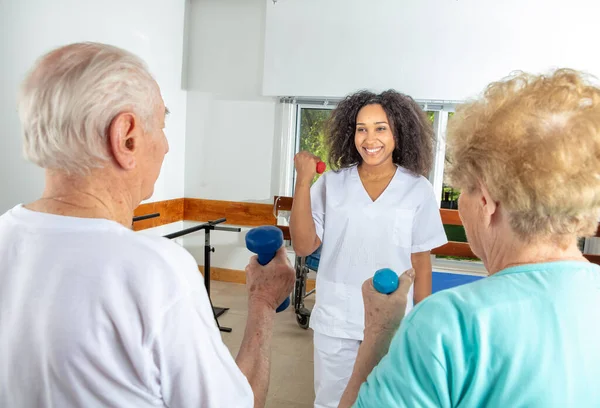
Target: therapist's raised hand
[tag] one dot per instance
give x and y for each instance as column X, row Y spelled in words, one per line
column 306, row 167
column 272, row 283
column 383, row 313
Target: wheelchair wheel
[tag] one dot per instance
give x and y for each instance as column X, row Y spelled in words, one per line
column 303, row 320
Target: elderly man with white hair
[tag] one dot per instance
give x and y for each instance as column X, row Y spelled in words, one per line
column 91, row 313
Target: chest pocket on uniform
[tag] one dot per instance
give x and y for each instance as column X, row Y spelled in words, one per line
column 403, row 226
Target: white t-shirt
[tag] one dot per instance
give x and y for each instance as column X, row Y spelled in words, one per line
column 93, row 314
column 360, row 236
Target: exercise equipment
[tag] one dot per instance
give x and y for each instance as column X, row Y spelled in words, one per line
column 303, row 266
column 321, row 166
column 208, row 227
column 385, row 281
column 265, row 241
column 145, row 217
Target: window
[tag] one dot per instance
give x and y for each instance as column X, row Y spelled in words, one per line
column 311, row 132
column 310, row 120
column 450, row 195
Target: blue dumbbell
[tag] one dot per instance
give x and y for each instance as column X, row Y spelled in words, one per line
column 385, row 281
column 265, row 242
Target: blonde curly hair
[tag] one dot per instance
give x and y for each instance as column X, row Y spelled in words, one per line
column 534, row 142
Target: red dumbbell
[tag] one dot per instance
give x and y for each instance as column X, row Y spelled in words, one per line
column 321, row 166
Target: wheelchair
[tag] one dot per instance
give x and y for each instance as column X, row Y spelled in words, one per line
column 303, row 266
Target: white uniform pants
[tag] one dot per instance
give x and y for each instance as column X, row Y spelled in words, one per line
column 334, row 360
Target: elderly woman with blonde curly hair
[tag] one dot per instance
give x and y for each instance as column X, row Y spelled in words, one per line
column 526, row 157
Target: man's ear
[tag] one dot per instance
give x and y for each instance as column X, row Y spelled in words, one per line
column 123, row 137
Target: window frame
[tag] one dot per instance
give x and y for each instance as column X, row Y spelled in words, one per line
column 298, row 130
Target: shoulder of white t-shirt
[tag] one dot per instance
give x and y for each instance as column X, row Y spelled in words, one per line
column 141, row 258
column 403, row 172
column 161, row 261
column 418, row 179
column 338, row 174
column 159, row 247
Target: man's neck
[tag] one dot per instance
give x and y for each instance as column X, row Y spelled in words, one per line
column 97, row 196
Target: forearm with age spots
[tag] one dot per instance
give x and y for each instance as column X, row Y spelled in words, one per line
column 254, row 356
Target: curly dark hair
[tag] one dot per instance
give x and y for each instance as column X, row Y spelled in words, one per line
column 413, row 132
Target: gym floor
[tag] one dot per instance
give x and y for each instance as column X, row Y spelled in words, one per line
column 292, row 350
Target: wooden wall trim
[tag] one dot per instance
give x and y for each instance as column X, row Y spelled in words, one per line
column 237, row 276
column 452, row 248
column 225, row 275
column 244, row 214
column 247, row 214
column 237, row 213
column 197, row 209
column 450, row 217
column 170, row 211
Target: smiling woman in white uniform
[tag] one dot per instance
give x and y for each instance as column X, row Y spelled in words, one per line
column 375, row 210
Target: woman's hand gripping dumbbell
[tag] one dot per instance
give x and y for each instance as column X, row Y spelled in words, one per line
column 385, row 297
column 307, row 166
column 269, row 275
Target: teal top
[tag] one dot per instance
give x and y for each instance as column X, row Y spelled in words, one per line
column 527, row 336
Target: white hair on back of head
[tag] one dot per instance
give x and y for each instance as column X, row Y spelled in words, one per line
column 71, row 96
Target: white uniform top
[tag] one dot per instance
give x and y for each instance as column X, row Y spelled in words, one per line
column 93, row 314
column 360, row 236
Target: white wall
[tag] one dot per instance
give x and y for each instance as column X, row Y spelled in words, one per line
column 229, row 148
column 232, row 146
column 230, row 126
column 430, row 49
column 152, row 29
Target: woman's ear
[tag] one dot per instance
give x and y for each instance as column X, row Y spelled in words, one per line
column 489, row 206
